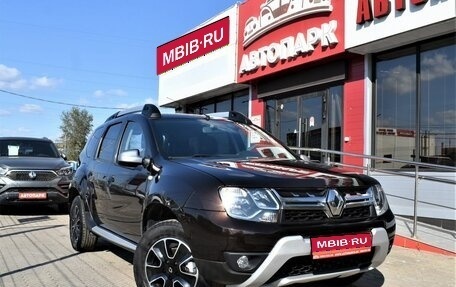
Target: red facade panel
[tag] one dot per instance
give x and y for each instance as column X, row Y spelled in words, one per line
column 353, row 122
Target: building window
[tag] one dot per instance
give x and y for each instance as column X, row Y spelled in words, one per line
column 415, row 107
column 238, row 102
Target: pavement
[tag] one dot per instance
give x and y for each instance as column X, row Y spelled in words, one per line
column 35, row 250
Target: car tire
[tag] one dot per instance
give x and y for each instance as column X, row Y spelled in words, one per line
column 81, row 237
column 155, row 262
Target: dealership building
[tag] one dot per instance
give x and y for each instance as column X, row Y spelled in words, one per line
column 375, row 77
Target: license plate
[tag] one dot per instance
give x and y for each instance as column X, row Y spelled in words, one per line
column 343, row 245
column 32, row 195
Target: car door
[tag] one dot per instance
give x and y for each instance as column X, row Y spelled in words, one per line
column 100, row 178
column 126, row 182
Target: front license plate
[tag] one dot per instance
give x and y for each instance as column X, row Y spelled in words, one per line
column 32, row 195
column 343, row 245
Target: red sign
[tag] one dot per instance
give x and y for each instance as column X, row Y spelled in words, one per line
column 335, row 246
column 193, row 45
column 275, row 35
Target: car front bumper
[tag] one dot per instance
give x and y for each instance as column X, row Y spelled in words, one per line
column 55, row 191
column 280, row 255
column 297, row 246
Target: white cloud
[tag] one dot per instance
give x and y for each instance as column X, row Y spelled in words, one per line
column 11, row 79
column 8, row 74
column 110, row 93
column 402, row 80
column 437, row 66
column 4, row 113
column 30, row 108
column 43, row 82
column 137, row 104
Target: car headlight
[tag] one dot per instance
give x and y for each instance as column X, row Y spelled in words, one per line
column 254, row 204
column 379, row 199
column 65, row 171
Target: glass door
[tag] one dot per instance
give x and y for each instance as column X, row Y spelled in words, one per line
column 311, row 120
column 288, row 121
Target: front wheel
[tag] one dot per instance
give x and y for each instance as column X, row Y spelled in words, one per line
column 81, row 237
column 163, row 258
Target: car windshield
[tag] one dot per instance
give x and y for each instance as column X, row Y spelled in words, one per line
column 215, row 138
column 27, row 148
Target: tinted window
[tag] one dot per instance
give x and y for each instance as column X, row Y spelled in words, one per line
column 416, row 124
column 28, row 148
column 109, row 143
column 215, row 138
column 92, row 145
column 133, row 138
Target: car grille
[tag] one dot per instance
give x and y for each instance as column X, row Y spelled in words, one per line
column 23, row 175
column 310, row 205
column 309, row 216
column 306, row 265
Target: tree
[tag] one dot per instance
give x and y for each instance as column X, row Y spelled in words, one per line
column 76, row 126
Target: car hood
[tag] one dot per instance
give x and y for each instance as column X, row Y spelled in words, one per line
column 35, row 163
column 276, row 173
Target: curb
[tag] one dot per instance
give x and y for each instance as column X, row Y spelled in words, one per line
column 410, row 243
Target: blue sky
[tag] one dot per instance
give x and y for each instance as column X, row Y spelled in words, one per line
column 89, row 53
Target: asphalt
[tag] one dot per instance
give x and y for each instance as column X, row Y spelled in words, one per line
column 35, row 251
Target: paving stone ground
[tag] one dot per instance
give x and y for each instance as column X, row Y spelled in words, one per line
column 35, row 251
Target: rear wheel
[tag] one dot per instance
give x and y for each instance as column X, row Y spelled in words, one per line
column 81, row 237
column 163, row 258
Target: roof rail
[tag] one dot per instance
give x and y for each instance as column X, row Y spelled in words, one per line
column 148, row 110
column 233, row 116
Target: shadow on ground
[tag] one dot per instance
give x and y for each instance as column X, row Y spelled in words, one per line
column 30, row 209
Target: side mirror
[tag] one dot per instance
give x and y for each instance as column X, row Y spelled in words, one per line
column 64, row 156
column 130, row 157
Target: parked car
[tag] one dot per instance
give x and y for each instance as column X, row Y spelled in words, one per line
column 201, row 201
column 33, row 171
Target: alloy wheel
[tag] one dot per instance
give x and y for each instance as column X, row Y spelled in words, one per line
column 169, row 263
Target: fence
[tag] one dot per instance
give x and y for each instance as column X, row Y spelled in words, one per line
column 418, row 171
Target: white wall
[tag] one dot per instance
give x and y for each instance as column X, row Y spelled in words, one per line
column 396, row 22
column 214, row 70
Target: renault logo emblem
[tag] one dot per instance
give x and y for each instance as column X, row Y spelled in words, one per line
column 32, row 175
column 335, row 202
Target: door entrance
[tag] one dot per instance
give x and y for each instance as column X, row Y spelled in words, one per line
column 312, row 120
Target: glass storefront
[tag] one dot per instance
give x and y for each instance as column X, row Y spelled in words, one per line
column 415, row 104
column 308, row 120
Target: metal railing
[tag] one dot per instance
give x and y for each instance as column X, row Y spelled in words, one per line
column 369, row 167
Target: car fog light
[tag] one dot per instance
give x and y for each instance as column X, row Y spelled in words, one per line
column 243, row 262
column 268, row 216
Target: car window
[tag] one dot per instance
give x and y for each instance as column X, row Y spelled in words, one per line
column 133, row 138
column 92, row 145
column 28, row 148
column 109, row 143
column 215, row 138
